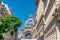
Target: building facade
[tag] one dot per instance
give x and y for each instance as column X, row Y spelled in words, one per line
column 47, row 20
column 28, row 30
column 38, row 29
column 21, row 35
column 52, row 18
column 5, row 11
column 29, row 27
column 46, row 25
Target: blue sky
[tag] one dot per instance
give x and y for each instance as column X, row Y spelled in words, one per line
column 22, row 9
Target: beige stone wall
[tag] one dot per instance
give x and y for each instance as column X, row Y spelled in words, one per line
column 55, row 34
column 40, row 10
column 49, row 11
column 39, row 13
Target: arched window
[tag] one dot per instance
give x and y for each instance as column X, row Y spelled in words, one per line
column 29, row 24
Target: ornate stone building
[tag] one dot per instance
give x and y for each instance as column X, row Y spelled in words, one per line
column 47, row 20
column 38, row 29
column 29, row 27
column 28, row 30
column 4, row 11
column 46, row 25
column 52, row 18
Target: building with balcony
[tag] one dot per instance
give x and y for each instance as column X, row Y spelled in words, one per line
column 47, row 20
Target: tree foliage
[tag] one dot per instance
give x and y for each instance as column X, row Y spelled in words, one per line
column 8, row 23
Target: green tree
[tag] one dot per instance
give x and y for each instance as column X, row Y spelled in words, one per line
column 8, row 23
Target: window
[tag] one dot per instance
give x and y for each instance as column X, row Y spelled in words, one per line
column 29, row 24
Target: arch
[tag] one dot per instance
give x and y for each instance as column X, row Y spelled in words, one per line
column 28, row 35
